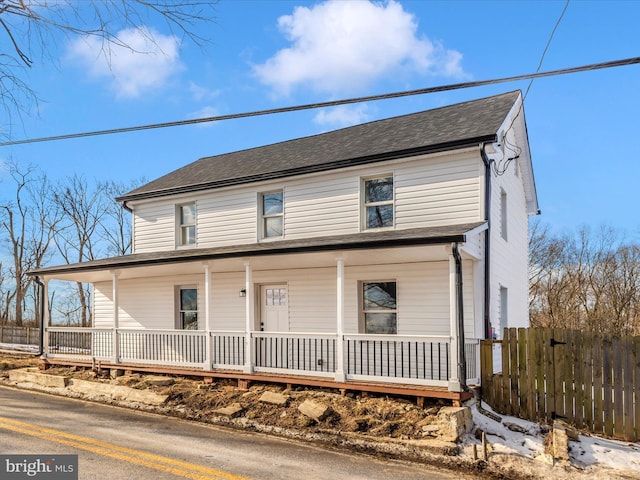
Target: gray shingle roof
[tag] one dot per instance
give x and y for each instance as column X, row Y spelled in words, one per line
column 439, row 129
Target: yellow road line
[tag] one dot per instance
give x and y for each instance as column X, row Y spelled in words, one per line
column 157, row 462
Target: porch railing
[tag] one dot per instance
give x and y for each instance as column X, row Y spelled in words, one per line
column 415, row 359
column 423, row 360
column 307, row 353
column 180, row 348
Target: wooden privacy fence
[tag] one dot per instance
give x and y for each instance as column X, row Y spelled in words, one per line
column 19, row 335
column 589, row 380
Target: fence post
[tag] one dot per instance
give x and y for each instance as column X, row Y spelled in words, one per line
column 486, row 371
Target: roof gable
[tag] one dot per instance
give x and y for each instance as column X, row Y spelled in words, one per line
column 433, row 130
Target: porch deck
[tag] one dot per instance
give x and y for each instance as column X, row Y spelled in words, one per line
column 417, row 366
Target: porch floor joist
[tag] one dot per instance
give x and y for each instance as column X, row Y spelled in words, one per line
column 356, row 386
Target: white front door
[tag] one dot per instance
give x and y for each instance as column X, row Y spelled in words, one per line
column 274, row 308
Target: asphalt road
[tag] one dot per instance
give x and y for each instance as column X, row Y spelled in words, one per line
column 119, row 444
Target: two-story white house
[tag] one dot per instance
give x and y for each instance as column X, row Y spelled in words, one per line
column 379, row 254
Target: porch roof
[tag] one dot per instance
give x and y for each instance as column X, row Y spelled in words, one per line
column 367, row 240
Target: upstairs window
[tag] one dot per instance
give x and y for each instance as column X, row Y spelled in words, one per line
column 272, row 214
column 379, row 308
column 187, row 308
column 503, row 214
column 378, row 202
column 186, row 220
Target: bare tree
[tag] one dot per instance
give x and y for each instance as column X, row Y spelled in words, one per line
column 28, row 223
column 116, row 223
column 32, row 27
column 77, row 237
column 588, row 281
column 4, row 297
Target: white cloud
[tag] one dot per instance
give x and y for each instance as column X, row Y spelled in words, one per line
column 343, row 116
column 340, row 46
column 200, row 93
column 149, row 62
column 205, row 112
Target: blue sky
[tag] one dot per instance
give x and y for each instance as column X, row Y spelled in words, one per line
column 583, row 128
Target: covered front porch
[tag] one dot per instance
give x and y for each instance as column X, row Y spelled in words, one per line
column 432, row 349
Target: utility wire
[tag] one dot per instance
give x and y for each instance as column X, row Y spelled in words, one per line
column 500, row 166
column 309, row 106
column 544, row 52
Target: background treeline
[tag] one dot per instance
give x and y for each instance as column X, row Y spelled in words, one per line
column 43, row 223
column 587, row 280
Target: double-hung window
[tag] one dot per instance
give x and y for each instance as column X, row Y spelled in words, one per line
column 186, row 224
column 378, row 202
column 187, row 308
column 272, row 214
column 380, row 307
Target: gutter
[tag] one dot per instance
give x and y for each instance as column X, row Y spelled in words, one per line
column 41, row 292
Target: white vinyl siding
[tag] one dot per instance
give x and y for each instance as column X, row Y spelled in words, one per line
column 429, row 191
column 509, row 259
column 322, row 205
column 227, row 218
column 312, row 297
column 443, row 191
column 154, row 227
column 144, row 303
column 423, row 298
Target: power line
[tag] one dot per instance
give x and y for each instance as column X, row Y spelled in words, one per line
column 499, row 166
column 309, row 106
column 544, row 52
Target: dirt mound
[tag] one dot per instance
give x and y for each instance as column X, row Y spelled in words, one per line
column 10, row 362
column 366, row 414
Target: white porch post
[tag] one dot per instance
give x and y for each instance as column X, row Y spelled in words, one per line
column 46, row 320
column 454, row 381
column 249, row 316
column 116, row 321
column 207, row 317
column 340, row 372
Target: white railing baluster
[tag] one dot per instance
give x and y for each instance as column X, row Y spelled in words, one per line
column 423, row 360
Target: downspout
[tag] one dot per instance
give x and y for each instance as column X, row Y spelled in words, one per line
column 487, row 242
column 462, row 362
column 41, row 291
column 487, row 271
